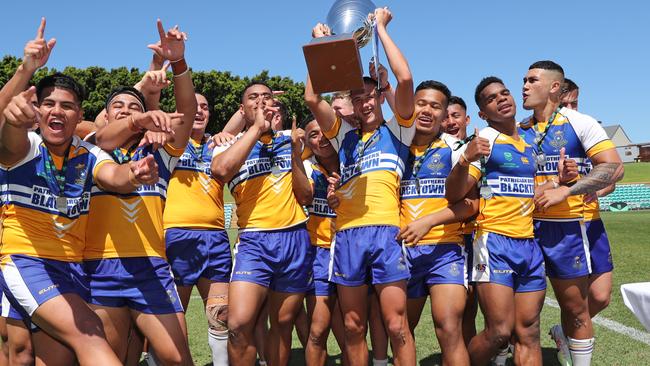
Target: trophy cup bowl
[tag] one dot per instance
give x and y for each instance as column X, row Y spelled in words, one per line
column 333, row 62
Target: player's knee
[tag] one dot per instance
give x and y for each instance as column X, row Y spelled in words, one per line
column 600, row 300
column 396, row 329
column 354, row 328
column 217, row 313
column 499, row 336
column 448, row 329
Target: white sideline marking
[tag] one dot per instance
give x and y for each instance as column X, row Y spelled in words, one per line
column 612, row 325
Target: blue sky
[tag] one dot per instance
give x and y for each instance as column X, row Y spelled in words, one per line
column 602, row 45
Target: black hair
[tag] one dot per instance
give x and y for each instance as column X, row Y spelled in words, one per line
column 569, row 86
column 482, row 85
column 547, row 65
column 367, row 80
column 253, row 83
column 59, row 80
column 126, row 90
column 435, row 85
column 305, row 121
column 457, row 100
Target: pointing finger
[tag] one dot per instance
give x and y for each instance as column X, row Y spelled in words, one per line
column 161, row 30
column 41, row 29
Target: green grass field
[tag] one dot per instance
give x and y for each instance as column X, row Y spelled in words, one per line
column 629, row 235
column 637, row 173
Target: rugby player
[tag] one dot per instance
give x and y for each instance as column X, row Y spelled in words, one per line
column 600, row 280
column 559, row 230
column 507, row 264
column 197, row 244
column 130, row 279
column 431, row 226
column 456, row 125
column 273, row 252
column 47, row 181
column 310, row 184
column 371, row 160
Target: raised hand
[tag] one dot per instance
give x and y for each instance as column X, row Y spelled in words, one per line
column 157, row 121
column 154, row 81
column 382, row 16
column 20, row 112
column 567, row 169
column 37, row 51
column 144, row 171
column 172, row 43
column 383, row 74
column 297, row 136
column 321, row 30
column 477, row 148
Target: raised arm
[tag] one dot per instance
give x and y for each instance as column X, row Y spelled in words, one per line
column 225, row 165
column 18, row 117
column 172, row 48
column 302, row 189
column 152, row 84
column 384, row 85
column 116, row 133
column 404, row 97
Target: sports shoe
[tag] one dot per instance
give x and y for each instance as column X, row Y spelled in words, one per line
column 562, row 345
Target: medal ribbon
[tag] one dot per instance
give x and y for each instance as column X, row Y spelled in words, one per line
column 59, row 175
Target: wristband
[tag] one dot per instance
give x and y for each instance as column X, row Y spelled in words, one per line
column 463, row 157
column 385, row 88
column 173, row 62
column 182, row 73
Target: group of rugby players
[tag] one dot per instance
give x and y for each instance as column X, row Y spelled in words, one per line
column 103, row 239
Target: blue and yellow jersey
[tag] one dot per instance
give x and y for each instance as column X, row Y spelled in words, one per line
column 510, row 172
column 31, row 223
column 582, row 137
column 591, row 209
column 322, row 218
column 194, row 198
column 131, row 225
column 371, row 167
column 262, row 187
column 423, row 192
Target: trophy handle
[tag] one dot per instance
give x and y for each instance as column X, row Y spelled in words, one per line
column 375, row 51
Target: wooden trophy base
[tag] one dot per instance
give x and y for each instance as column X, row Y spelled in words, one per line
column 334, row 63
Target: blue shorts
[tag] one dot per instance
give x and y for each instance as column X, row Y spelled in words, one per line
column 368, row 255
column 28, row 282
column 144, row 284
column 433, row 265
column 321, row 285
column 599, row 250
column 565, row 247
column 512, row 262
column 195, row 254
column 281, row 260
column 9, row 311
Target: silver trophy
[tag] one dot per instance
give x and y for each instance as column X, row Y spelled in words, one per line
column 333, row 62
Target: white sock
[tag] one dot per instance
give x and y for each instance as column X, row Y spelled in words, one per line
column 379, row 362
column 581, row 350
column 219, row 346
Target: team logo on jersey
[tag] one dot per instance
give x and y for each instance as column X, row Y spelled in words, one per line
column 82, row 172
column 525, row 160
column 558, row 141
column 507, row 155
column 436, row 164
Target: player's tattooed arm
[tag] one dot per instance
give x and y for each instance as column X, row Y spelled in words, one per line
column 601, row 176
column 608, row 169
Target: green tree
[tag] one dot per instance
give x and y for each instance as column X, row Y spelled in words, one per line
column 221, row 88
